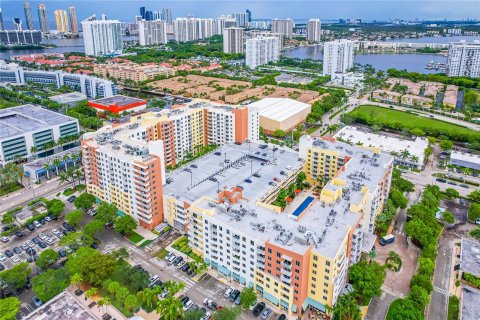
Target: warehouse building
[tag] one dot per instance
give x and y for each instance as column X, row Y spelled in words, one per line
column 465, row 160
column 280, row 113
column 118, row 104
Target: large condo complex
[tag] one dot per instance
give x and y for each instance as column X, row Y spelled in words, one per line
column 132, row 71
column 233, row 40
column 337, row 56
column 283, row 27
column 25, row 130
column 464, row 60
column 297, row 257
column 88, row 85
column 102, row 37
column 156, row 140
column 152, row 32
column 262, row 50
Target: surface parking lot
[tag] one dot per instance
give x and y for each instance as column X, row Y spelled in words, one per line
column 21, row 243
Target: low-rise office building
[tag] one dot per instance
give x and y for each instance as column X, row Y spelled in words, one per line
column 90, row 86
column 465, row 160
column 71, row 98
column 26, row 130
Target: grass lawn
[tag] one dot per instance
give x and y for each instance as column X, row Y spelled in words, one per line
column 9, row 188
column 453, row 308
column 135, row 237
column 312, row 129
column 161, row 254
column 145, row 243
column 398, row 120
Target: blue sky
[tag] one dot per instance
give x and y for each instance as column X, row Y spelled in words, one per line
column 125, row 9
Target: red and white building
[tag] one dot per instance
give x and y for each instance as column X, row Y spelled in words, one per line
column 118, row 104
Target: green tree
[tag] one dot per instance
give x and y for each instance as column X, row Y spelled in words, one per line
column 399, row 200
column 422, row 281
column 96, row 268
column 120, row 254
column 170, row 308
column 92, row 228
column 16, row 277
column 9, row 308
column 107, row 213
column 76, row 279
column 47, row 258
column 474, row 196
column 426, row 266
column 50, row 283
column 122, row 293
column 279, row 134
column 91, row 292
column 84, row 201
column 74, row 217
column 404, row 309
column 346, row 308
column 70, row 238
column 227, row 313
column 55, row 207
column 474, row 212
column 173, row 287
column 149, row 297
column 446, row 145
column 366, row 279
column 420, row 296
column 196, row 314
column 417, row 132
column 113, row 287
column 125, row 225
column 448, row 217
column 247, row 297
column 452, row 193
column 130, row 302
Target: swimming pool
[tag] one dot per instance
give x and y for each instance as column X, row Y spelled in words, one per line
column 304, row 205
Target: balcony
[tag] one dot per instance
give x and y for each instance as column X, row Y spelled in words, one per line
column 287, row 273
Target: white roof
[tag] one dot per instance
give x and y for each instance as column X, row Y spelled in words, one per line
column 388, row 144
column 279, row 109
column 466, row 157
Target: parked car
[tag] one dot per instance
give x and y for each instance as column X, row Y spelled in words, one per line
column 177, row 261
column 172, row 259
column 19, row 234
column 42, row 245
column 181, row 264
column 30, row 227
column 4, row 239
column 258, row 309
column 234, row 295
column 2, row 257
column 2, row 267
column 463, row 185
column 31, row 244
column 207, row 316
column 36, row 224
column 48, row 218
column 188, row 305
column 213, row 306
column 57, row 232
column 164, row 294
column 17, row 250
column 190, row 272
column 49, row 241
column 71, row 199
column 78, row 292
column 15, row 259
column 390, row 238
column 238, row 300
column 265, row 313
column 37, row 301
column 153, row 278
column 227, row 293
column 9, row 253
column 186, row 267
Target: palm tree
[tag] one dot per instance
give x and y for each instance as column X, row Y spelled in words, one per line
column 149, row 296
column 33, row 150
column 173, row 287
column 113, row 287
column 414, row 159
column 170, row 308
column 63, row 178
column 91, row 292
column 79, row 175
column 65, row 158
column 121, row 293
column 74, row 158
column 76, row 279
column 104, row 302
column 56, row 163
column 46, row 166
column 404, row 154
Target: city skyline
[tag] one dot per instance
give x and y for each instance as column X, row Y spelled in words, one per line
column 325, row 10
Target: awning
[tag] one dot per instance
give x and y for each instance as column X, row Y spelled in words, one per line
column 314, row 304
column 271, row 298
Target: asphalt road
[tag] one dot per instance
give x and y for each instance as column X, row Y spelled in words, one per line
column 377, row 310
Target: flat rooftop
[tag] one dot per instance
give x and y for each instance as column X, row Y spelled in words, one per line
column 466, row 157
column 63, row 306
column 470, row 308
column 68, row 97
column 231, row 167
column 279, row 109
column 28, row 118
column 387, row 143
column 118, row 100
column 470, row 257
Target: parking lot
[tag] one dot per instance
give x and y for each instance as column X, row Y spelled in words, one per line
column 39, row 239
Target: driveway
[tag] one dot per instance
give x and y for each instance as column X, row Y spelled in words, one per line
column 378, row 308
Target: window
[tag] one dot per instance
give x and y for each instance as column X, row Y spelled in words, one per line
column 269, row 250
column 325, row 291
column 314, row 279
column 315, row 258
column 278, row 254
column 297, row 263
column 327, row 263
column 312, row 291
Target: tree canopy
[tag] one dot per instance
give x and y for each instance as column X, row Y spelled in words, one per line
column 50, row 283
column 125, row 224
column 17, row 276
column 84, row 201
column 367, row 279
column 9, row 307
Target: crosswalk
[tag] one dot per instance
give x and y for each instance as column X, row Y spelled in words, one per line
column 440, row 290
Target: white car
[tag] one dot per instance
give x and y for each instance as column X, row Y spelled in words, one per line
column 4, row 239
column 188, row 305
column 48, row 240
column 30, row 244
column 56, row 232
column 227, row 293
column 48, row 219
column 37, row 224
column 206, row 316
column 24, row 246
column 181, row 264
column 168, row 256
column 2, row 257
column 153, row 278
column 42, row 236
column 15, row 259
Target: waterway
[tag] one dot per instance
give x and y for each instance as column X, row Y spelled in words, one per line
column 412, row 62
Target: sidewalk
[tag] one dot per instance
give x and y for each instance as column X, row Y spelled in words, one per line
column 95, row 310
column 452, row 289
